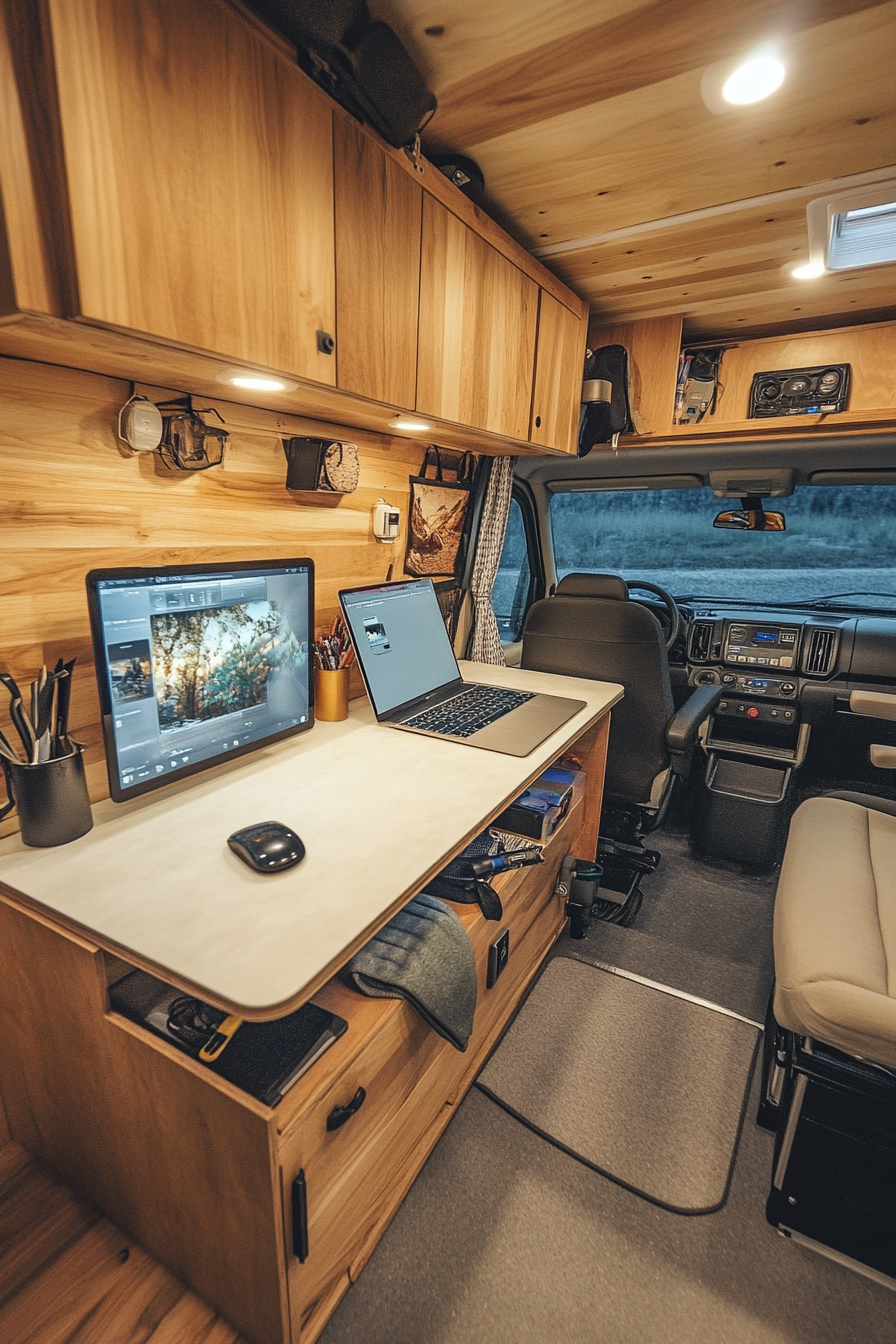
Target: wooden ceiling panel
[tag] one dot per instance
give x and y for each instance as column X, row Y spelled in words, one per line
column 586, row 117
column 659, row 151
column 452, row 40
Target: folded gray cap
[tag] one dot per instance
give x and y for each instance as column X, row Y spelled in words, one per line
column 423, row 955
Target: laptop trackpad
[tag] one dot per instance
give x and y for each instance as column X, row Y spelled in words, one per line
column 527, row 726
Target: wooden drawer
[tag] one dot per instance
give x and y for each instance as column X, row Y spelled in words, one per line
column 350, row 1172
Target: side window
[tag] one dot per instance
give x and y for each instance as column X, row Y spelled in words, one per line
column 510, row 594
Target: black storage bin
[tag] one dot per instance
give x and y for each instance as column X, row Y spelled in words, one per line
column 742, row 810
column 835, row 1159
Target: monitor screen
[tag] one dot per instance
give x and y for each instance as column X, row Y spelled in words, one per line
column 401, row 642
column 197, row 664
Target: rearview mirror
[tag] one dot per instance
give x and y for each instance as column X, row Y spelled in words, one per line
column 750, row 520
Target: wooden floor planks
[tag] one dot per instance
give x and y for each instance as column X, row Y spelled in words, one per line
column 69, row 1276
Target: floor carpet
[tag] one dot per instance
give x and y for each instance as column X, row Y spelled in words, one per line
column 646, row 1087
column 705, row 927
column 505, row 1239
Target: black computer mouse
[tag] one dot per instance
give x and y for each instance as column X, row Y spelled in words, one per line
column 268, row 847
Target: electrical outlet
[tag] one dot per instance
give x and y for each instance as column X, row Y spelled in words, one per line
column 498, row 955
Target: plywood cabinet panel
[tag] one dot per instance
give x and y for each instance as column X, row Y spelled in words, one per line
column 476, row 343
column 199, row 166
column 559, row 359
column 870, row 351
column 378, row 210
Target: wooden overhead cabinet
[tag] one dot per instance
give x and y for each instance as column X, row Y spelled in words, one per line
column 476, row 342
column 378, row 209
column 556, row 397
column 200, row 180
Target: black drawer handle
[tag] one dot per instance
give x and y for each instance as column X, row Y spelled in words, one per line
column 339, row 1114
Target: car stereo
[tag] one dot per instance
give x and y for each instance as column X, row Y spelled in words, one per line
column 760, row 645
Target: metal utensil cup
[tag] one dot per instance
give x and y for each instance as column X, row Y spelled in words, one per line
column 51, row 798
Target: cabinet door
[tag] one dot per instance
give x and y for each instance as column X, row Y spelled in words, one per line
column 378, row 209
column 200, row 174
column 476, row 343
column 559, row 357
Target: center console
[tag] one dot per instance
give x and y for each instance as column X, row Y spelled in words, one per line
column 754, row 741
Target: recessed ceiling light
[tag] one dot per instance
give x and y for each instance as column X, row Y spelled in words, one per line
column 728, row 85
column 256, row 382
column 811, row 270
column 406, row 423
column 754, row 80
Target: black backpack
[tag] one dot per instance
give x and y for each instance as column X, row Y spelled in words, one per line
column 358, row 61
column 601, row 420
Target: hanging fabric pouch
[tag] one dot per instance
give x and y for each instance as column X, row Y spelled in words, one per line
column 438, row 515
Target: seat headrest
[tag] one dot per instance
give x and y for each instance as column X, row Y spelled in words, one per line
column 593, row 585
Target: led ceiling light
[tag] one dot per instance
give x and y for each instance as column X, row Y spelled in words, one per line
column 410, row 426
column 256, row 382
column 728, row 85
column 754, row 80
column 810, row 270
column 854, row 228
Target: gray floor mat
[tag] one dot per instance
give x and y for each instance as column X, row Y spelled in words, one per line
column 504, row 1239
column 646, row 1087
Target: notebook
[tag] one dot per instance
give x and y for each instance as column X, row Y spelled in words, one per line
column 414, row 682
column 263, row 1058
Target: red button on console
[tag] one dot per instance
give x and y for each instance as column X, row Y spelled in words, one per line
column 752, row 712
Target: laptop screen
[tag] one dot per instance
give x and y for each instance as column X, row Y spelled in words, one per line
column 401, row 642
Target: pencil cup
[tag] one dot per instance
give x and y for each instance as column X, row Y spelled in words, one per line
column 331, row 694
column 51, row 798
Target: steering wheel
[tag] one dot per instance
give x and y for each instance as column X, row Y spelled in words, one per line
column 668, row 602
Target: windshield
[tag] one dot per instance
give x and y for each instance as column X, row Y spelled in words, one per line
column 839, row 540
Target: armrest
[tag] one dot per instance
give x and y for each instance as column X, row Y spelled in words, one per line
column 681, row 732
column 874, row 703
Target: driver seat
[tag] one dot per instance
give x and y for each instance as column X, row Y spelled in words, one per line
column 590, row 628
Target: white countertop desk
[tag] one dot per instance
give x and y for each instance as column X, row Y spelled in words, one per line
column 379, row 812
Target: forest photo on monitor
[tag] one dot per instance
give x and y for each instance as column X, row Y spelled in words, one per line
column 217, row 661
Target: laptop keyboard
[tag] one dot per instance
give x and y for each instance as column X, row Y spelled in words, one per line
column 467, row 713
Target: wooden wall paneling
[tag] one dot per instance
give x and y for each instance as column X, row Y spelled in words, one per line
column 4, row 1124
column 188, row 1170
column 559, row 361
column 75, row 499
column 476, row 340
column 200, row 169
column 870, row 350
column 378, row 214
column 653, row 346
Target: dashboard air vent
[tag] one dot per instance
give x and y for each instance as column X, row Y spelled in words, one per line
column 820, row 653
column 701, row 641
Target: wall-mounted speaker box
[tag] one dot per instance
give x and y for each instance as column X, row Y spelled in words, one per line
column 814, row 391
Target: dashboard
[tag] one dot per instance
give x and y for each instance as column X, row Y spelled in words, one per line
column 781, row 670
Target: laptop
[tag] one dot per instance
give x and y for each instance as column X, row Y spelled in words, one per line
column 414, row 682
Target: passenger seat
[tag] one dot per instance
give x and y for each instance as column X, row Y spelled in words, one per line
column 829, row 1068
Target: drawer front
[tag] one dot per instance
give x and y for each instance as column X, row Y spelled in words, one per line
column 351, row 1172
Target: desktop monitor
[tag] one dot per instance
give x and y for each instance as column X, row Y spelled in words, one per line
column 197, row 664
